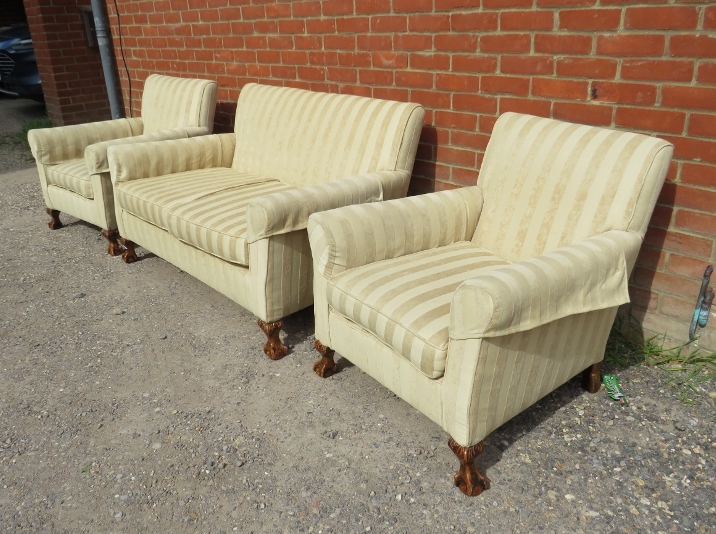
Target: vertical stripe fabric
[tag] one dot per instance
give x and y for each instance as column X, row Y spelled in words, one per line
column 306, row 138
column 563, row 182
column 489, row 381
column 169, row 102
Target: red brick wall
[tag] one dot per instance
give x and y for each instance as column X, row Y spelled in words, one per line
column 647, row 65
column 71, row 72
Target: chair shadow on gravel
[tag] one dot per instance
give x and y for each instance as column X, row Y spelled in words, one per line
column 501, row 439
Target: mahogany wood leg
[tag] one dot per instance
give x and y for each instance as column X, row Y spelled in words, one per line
column 273, row 348
column 592, row 377
column 468, row 478
column 113, row 248
column 55, row 223
column 129, row 255
column 324, row 367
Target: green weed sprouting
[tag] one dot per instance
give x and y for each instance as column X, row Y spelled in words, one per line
column 689, row 371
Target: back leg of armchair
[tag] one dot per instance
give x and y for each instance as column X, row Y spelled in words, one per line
column 129, row 255
column 55, row 223
column 113, row 248
column 273, row 348
column 592, row 377
column 324, row 367
column 469, row 478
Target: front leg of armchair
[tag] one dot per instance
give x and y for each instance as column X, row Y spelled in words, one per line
column 324, row 367
column 128, row 255
column 55, row 223
column 469, row 478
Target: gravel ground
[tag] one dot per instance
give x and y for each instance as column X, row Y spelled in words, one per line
column 135, row 399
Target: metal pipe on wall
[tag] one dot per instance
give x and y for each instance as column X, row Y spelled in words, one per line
column 106, row 51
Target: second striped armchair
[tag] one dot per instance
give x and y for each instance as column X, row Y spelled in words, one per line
column 473, row 304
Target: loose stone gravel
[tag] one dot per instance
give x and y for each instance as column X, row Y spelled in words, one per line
column 167, row 417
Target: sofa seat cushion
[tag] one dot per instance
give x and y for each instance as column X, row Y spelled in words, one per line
column 72, row 175
column 405, row 301
column 152, row 199
column 216, row 223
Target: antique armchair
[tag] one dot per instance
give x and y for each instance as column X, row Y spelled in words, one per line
column 474, row 303
column 72, row 160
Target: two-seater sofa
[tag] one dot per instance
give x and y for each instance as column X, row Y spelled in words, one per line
column 232, row 209
column 72, row 160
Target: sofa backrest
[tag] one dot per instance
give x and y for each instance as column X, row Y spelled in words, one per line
column 169, row 102
column 305, row 137
column 548, row 183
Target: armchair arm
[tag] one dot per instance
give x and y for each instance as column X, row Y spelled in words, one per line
column 358, row 235
column 96, row 154
column 578, row 278
column 286, row 211
column 55, row 145
column 145, row 160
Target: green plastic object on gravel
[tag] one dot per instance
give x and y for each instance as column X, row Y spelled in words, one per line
column 614, row 390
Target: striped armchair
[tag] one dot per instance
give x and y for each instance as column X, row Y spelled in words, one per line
column 72, row 160
column 232, row 209
column 474, row 303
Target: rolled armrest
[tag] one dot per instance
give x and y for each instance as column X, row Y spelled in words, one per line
column 145, row 160
column 54, row 145
column 358, row 235
column 286, row 211
column 96, row 154
column 578, row 278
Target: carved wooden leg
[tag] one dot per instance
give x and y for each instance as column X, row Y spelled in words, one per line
column 114, row 248
column 55, row 223
column 129, row 255
column 273, row 348
column 468, row 478
column 324, row 367
column 592, row 377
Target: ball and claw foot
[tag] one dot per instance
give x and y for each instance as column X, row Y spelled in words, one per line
column 468, row 478
column 113, row 248
column 273, row 348
column 55, row 223
column 324, row 367
column 129, row 255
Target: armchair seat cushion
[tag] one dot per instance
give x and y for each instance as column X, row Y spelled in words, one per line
column 405, row 301
column 72, row 175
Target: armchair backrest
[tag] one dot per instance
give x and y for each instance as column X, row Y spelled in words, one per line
column 548, row 183
column 169, row 102
column 306, row 137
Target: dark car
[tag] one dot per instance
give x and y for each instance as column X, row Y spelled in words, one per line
column 18, row 68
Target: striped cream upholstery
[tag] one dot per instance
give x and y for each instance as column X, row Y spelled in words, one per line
column 216, row 223
column 578, row 181
column 169, row 102
column 288, row 210
column 149, row 160
column 308, row 138
column 71, row 175
column 96, row 154
column 55, row 145
column 245, row 198
column 405, row 301
column 172, row 108
column 473, row 304
column 153, row 199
